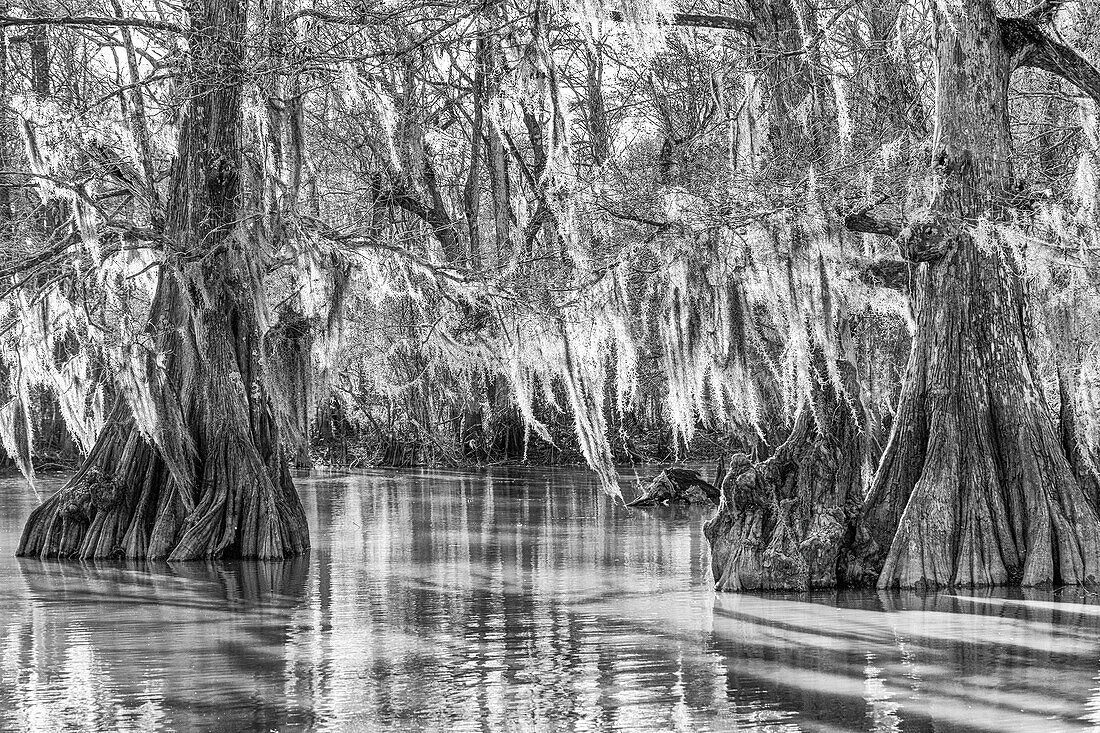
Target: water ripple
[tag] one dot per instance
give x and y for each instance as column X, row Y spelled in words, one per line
column 514, row 600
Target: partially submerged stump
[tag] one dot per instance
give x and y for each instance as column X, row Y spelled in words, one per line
column 677, row 486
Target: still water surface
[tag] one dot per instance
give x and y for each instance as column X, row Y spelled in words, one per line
column 516, row 599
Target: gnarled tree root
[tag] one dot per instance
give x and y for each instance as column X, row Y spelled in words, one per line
column 783, row 524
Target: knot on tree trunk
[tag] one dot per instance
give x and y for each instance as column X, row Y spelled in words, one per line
column 925, row 238
column 951, row 160
column 741, row 485
column 96, row 492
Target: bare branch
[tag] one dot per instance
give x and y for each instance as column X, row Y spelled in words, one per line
column 1044, row 11
column 1031, row 46
column 320, row 15
column 1063, row 61
column 637, row 219
column 863, row 221
column 696, row 20
column 91, row 21
column 434, row 216
column 691, row 20
column 31, row 261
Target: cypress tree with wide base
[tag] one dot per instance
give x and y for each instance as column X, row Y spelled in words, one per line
column 975, row 487
column 192, row 466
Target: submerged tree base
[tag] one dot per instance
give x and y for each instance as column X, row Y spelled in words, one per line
column 975, row 487
column 783, row 524
column 125, row 503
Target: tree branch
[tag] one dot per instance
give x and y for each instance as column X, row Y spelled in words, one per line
column 636, row 218
column 886, row 272
column 1031, row 46
column 31, row 261
column 1044, row 11
column 441, row 225
column 696, row 20
column 322, row 16
column 89, row 21
column 691, row 20
column 863, row 221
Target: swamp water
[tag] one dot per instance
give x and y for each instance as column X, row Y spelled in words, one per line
column 514, row 599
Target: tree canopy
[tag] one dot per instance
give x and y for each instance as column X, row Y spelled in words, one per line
column 457, row 224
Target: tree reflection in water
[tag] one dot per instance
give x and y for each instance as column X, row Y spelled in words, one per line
column 514, row 599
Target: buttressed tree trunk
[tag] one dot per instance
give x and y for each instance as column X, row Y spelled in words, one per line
column 974, row 487
column 197, row 470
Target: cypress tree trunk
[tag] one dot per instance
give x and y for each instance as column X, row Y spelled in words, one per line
column 782, row 524
column 975, row 487
column 194, row 468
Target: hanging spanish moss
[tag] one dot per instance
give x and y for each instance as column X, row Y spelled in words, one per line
column 564, row 232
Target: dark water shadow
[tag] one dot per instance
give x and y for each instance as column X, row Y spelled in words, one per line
column 238, row 583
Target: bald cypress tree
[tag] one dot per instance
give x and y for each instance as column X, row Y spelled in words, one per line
column 192, row 465
column 975, row 487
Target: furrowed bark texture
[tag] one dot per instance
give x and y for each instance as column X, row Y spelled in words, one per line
column 214, row 480
column 801, row 103
column 782, row 524
column 974, row 487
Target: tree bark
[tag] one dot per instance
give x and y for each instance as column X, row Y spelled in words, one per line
column 195, row 466
column 599, row 134
column 471, row 193
column 974, row 487
column 783, row 524
column 138, row 120
column 500, row 186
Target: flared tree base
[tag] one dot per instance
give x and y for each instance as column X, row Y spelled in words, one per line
column 125, row 503
column 975, row 487
column 783, row 524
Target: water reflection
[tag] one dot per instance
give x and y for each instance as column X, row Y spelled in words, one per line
column 148, row 646
column 514, row 600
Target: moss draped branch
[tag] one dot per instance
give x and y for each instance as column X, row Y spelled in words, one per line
column 92, row 21
column 698, row 20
